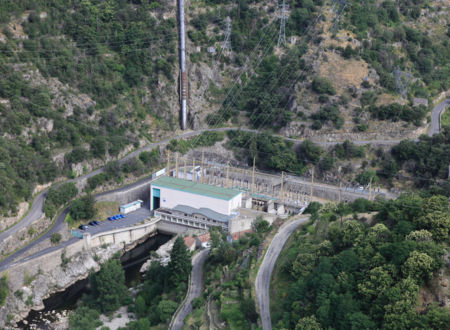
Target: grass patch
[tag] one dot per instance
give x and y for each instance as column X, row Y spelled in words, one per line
column 103, row 210
column 445, row 119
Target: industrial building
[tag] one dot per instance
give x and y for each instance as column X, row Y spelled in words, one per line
column 194, row 204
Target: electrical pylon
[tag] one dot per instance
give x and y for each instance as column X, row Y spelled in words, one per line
column 402, row 80
column 282, row 15
column 227, row 42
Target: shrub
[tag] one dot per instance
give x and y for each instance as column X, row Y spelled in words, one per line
column 3, row 289
column 55, row 238
column 322, row 85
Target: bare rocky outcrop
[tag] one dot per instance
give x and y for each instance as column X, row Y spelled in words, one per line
column 23, row 235
column 32, row 282
column 6, row 222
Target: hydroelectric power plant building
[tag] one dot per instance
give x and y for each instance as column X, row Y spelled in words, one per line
column 194, row 204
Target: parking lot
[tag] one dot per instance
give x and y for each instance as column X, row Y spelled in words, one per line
column 130, row 219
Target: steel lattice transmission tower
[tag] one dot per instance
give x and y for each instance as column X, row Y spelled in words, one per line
column 227, row 42
column 282, row 16
column 402, row 80
column 338, row 9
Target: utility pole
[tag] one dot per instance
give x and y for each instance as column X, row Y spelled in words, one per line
column 253, row 176
column 201, row 167
column 402, row 80
column 176, row 165
column 340, row 191
column 370, row 189
column 184, row 172
column 227, row 43
column 312, row 183
column 168, row 162
column 281, row 188
column 282, row 16
column 193, row 167
column 228, row 172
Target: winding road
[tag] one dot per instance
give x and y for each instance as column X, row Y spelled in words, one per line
column 36, row 210
column 435, row 127
column 262, row 283
column 194, row 291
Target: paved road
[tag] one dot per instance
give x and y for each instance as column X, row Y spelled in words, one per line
column 435, row 127
column 37, row 207
column 195, row 285
column 262, row 283
column 131, row 219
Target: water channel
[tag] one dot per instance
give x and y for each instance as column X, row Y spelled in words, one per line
column 67, row 300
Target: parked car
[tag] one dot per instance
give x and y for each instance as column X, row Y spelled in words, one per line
column 93, row 223
column 111, row 218
column 121, row 216
column 83, row 227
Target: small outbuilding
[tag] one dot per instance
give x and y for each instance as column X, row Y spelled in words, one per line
column 130, row 207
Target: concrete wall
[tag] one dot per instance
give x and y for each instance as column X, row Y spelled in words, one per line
column 245, row 222
column 122, row 235
column 126, row 195
column 169, row 198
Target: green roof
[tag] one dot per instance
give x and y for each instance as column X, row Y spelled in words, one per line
column 195, row 188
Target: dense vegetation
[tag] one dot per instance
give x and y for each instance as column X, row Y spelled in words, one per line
column 355, row 274
column 57, row 197
column 205, row 139
column 116, row 52
column 390, row 23
column 425, row 160
column 163, row 289
column 155, row 302
column 227, row 284
column 107, row 293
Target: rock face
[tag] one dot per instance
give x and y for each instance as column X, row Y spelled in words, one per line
column 6, row 222
column 32, row 282
column 162, row 255
column 23, row 235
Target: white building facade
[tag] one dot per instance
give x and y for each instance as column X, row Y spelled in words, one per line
column 168, row 192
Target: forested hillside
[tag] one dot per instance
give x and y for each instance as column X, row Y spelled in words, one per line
column 85, row 81
column 76, row 82
column 357, row 273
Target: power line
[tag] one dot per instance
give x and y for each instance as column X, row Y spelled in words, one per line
column 282, row 16
column 227, row 42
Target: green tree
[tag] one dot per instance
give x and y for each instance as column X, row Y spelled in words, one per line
column 140, row 306
column 108, row 286
column 322, row 85
column 84, row 318
column 141, row 324
column 309, row 152
column 83, row 208
column 308, row 323
column 98, row 147
column 180, row 262
column 437, row 222
column 419, row 266
column 420, row 236
column 165, row 309
column 260, row 225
